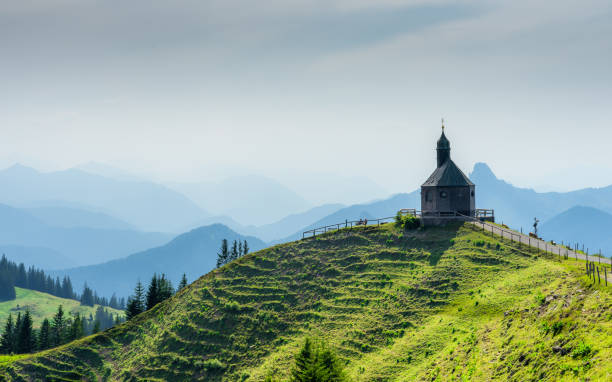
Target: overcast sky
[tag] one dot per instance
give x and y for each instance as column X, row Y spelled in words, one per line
column 190, row 90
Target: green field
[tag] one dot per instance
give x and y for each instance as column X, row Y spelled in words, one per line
column 42, row 305
column 436, row 304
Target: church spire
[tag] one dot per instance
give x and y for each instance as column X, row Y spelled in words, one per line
column 443, row 148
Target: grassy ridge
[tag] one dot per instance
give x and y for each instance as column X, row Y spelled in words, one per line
column 442, row 303
column 43, row 305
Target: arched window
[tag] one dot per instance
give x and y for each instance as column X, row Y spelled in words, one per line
column 443, row 194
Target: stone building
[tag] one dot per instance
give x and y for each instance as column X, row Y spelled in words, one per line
column 448, row 192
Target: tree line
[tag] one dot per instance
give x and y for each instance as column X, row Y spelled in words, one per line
column 19, row 336
column 226, row 255
column 160, row 288
column 13, row 275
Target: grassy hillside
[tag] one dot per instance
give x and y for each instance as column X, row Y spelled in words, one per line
column 42, row 305
column 438, row 304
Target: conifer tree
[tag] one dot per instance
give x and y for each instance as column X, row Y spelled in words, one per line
column 44, row 335
column 7, row 343
column 240, row 254
column 223, row 255
column 152, row 293
column 245, row 248
column 87, row 298
column 76, row 328
column 113, row 303
column 96, row 327
column 183, row 282
column 315, row 362
column 165, row 289
column 25, row 337
column 58, row 327
column 234, row 252
column 303, row 369
column 135, row 304
column 7, row 287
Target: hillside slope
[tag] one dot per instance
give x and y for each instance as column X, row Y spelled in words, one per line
column 447, row 303
column 43, row 305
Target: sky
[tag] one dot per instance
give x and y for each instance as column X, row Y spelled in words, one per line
column 301, row 91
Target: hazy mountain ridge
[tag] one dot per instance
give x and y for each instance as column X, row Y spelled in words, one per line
column 251, row 200
column 193, row 253
column 582, row 225
column 518, row 206
column 146, row 205
column 82, row 245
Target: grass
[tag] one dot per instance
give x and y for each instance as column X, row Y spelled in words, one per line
column 42, row 305
column 434, row 304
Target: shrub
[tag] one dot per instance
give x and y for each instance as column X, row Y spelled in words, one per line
column 479, row 243
column 582, row 350
column 557, row 327
column 407, row 222
column 213, row 364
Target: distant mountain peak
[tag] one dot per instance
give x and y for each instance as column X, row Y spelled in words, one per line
column 18, row 168
column 482, row 171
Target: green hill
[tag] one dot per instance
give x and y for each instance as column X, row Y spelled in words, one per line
column 436, row 304
column 42, row 305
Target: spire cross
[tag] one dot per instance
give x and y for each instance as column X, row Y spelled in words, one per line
column 442, row 124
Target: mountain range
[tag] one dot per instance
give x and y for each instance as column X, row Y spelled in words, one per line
column 517, row 207
column 581, row 225
column 251, row 200
column 26, row 238
column 143, row 204
column 193, row 253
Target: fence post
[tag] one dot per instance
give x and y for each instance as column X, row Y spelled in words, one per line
column 605, row 276
column 598, row 279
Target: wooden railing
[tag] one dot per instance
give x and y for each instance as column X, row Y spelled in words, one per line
column 478, row 214
column 346, row 224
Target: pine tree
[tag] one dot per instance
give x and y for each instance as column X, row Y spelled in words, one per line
column 44, row 335
column 87, row 298
column 96, row 327
column 245, row 248
column 240, row 254
column 67, row 291
column 25, row 337
column 76, row 328
column 113, row 302
column 183, row 282
column 165, row 289
column 7, row 287
column 303, row 369
column 153, row 293
column 58, row 327
column 223, row 255
column 135, row 304
column 234, row 253
column 316, row 363
column 7, row 343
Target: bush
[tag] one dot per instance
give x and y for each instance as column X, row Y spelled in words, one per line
column 582, row 350
column 407, row 221
column 213, row 364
